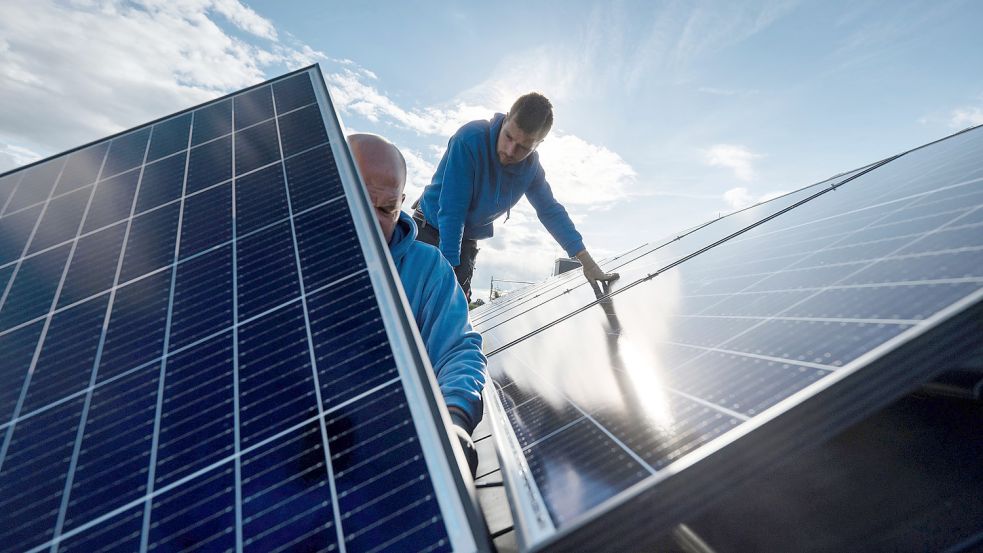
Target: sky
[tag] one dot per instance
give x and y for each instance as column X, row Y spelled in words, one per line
column 667, row 114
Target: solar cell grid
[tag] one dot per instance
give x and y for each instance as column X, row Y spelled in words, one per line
column 192, row 338
column 670, row 364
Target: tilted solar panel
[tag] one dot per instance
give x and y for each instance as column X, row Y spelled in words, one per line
column 205, row 348
column 621, row 417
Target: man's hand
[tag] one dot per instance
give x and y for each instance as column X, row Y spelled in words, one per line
column 470, row 453
column 592, row 271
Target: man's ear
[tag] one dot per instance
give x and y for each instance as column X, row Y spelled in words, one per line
column 402, row 199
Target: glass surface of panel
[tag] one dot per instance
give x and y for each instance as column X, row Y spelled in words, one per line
column 679, row 365
column 194, row 350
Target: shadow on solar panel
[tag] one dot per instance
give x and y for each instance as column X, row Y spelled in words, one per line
column 204, row 347
column 739, row 344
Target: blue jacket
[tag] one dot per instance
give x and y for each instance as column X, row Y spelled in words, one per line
column 471, row 189
column 441, row 314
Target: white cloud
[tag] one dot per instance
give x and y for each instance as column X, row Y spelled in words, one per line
column 966, row 117
column 740, row 197
column 418, row 174
column 737, row 158
column 352, row 94
column 581, row 173
column 90, row 69
column 14, row 156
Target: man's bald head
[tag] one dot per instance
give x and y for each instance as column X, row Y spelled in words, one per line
column 384, row 171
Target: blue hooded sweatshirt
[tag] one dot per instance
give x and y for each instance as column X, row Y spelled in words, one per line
column 441, row 314
column 472, row 188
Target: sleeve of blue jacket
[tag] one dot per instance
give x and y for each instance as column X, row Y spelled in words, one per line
column 453, row 346
column 455, row 198
column 553, row 216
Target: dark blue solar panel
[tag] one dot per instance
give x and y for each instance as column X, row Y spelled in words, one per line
column 747, row 330
column 293, row 93
column 267, row 271
column 18, row 349
column 253, row 106
column 36, row 184
column 169, row 137
column 136, row 326
column 212, row 121
column 33, row 475
column 33, row 287
column 210, row 164
column 302, row 130
column 345, row 335
column 112, row 201
column 325, row 238
column 285, row 496
column 261, row 199
column 150, row 244
column 15, row 230
column 198, row 516
column 61, row 219
column 126, row 152
column 167, row 403
column 202, row 297
column 255, row 147
column 207, row 220
column 68, row 354
column 115, row 449
column 82, row 168
column 162, row 183
column 310, row 179
column 197, row 418
column 93, row 265
column 276, row 388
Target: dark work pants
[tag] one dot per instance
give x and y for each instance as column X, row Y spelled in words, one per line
column 469, row 252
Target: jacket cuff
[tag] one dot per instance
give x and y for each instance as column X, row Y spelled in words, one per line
column 460, row 418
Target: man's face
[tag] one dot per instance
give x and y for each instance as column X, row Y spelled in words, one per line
column 386, row 197
column 515, row 144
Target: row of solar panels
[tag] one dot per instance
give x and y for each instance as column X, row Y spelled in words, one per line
column 205, row 346
column 725, row 349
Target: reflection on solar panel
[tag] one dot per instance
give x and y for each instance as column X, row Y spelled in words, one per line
column 723, row 350
column 204, row 349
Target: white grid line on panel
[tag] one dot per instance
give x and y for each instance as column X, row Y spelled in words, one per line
column 158, row 408
column 336, row 510
column 189, row 477
column 47, row 317
column 237, row 435
column 70, row 475
column 13, row 190
column 167, row 267
column 165, row 204
column 59, row 521
column 181, row 349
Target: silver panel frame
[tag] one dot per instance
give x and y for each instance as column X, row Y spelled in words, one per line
column 445, row 460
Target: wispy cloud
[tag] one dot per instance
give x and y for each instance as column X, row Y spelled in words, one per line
column 89, row 69
column 737, row 158
column 585, row 174
column 963, row 117
column 352, row 94
column 740, row 197
column 15, row 156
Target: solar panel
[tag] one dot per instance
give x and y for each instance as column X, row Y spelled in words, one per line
column 205, row 347
column 718, row 354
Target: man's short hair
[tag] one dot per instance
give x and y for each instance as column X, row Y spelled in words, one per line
column 533, row 113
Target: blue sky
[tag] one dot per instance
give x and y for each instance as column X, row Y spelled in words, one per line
column 667, row 113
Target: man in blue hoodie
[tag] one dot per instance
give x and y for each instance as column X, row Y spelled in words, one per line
column 438, row 306
column 487, row 168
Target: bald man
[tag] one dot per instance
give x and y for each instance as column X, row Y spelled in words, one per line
column 437, row 302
